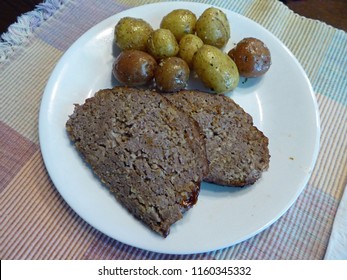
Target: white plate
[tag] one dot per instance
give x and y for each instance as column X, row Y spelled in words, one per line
column 282, row 104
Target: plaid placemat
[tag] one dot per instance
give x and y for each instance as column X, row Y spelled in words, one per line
column 36, row 223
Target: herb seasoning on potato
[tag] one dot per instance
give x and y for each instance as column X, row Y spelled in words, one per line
column 134, row 68
column 172, row 74
column 132, row 33
column 180, row 22
column 215, row 69
column 213, row 27
column 252, row 57
column 162, row 43
column 189, row 45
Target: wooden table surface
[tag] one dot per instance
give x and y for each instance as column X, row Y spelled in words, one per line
column 332, row 12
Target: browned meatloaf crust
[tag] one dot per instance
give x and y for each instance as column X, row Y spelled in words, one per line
column 150, row 155
column 237, row 151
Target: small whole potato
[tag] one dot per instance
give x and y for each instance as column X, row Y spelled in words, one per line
column 252, row 57
column 189, row 45
column 215, row 69
column 132, row 33
column 213, row 27
column 134, row 68
column 162, row 43
column 179, row 22
column 172, row 74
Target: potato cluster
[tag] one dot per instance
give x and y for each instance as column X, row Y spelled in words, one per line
column 182, row 44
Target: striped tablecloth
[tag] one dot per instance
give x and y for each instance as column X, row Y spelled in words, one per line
column 36, row 223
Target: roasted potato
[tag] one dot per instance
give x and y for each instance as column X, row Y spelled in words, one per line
column 213, row 27
column 172, row 74
column 134, row 68
column 162, row 43
column 215, row 69
column 179, row 22
column 132, row 33
column 189, row 45
column 252, row 57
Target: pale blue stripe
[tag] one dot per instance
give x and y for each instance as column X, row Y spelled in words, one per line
column 331, row 80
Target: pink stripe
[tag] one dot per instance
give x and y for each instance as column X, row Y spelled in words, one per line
column 15, row 152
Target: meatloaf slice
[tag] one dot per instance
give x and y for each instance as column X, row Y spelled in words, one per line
column 237, row 151
column 150, row 155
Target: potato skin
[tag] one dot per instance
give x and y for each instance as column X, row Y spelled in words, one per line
column 213, row 27
column 162, row 43
column 132, row 33
column 134, row 68
column 172, row 74
column 179, row 22
column 215, row 69
column 189, row 45
column 252, row 57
